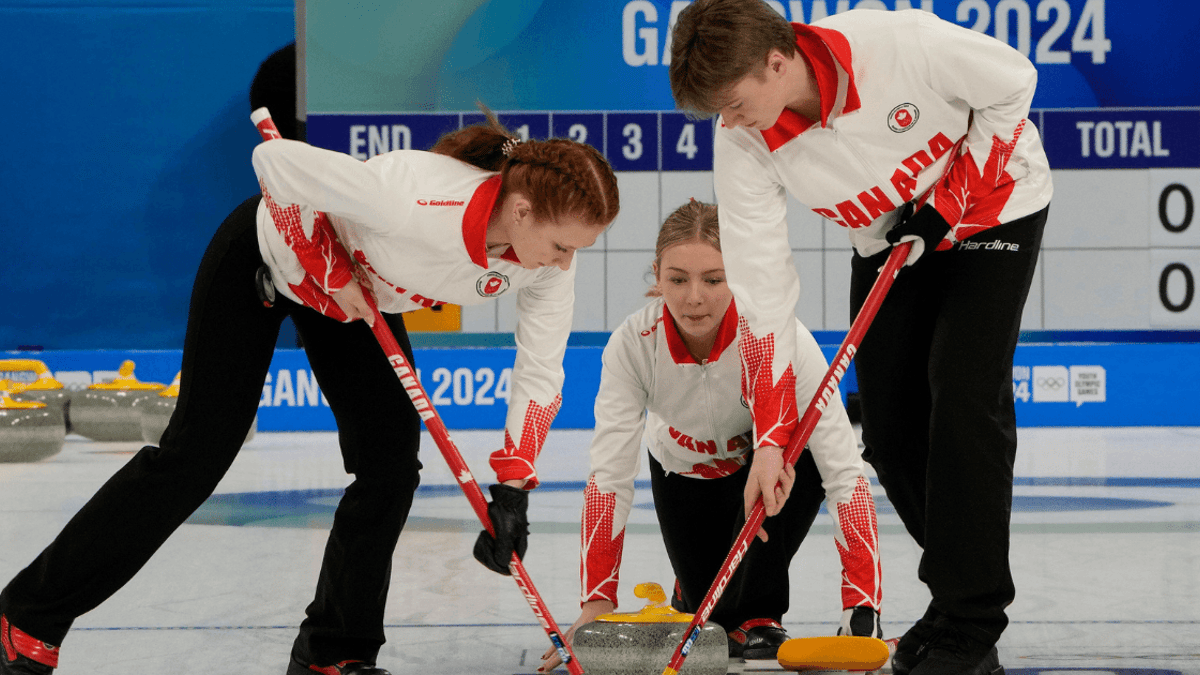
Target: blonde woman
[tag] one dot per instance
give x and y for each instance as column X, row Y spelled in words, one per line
column 671, row 383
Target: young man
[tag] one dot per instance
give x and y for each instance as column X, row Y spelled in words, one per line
column 900, row 127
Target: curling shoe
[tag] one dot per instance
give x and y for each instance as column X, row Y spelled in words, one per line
column 350, row 667
column 861, row 621
column 953, row 652
column 910, row 651
column 23, row 654
column 757, row 639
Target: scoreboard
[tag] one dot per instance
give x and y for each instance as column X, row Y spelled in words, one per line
column 1118, row 107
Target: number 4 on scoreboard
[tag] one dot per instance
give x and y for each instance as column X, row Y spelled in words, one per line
column 687, row 141
column 691, row 140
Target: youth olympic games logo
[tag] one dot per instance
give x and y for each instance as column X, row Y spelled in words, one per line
column 903, row 117
column 491, row 284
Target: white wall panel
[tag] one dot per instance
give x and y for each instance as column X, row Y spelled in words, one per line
column 806, row 230
column 1095, row 290
column 837, row 289
column 506, row 313
column 629, row 278
column 1031, row 318
column 837, row 238
column 680, row 186
column 810, row 265
column 479, row 318
column 589, row 291
column 1098, row 209
column 636, row 226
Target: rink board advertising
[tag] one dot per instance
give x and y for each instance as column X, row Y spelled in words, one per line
column 1056, row 385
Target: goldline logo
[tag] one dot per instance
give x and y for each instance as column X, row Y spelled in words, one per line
column 903, row 117
column 650, row 331
column 441, row 202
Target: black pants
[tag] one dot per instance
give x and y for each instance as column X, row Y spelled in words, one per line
column 700, row 520
column 934, row 377
column 227, row 352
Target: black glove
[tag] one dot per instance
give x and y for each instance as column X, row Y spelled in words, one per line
column 507, row 511
column 925, row 228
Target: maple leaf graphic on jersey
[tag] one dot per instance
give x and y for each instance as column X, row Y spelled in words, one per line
column 857, row 542
column 772, row 403
column 972, row 199
column 515, row 461
column 600, row 550
column 321, row 255
column 311, row 295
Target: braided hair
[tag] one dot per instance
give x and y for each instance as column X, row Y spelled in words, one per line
column 560, row 177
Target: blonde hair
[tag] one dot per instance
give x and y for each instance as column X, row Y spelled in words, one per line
column 694, row 221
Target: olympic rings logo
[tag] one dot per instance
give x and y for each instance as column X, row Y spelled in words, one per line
column 1051, row 382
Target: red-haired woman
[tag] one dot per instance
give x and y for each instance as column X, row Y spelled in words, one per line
column 478, row 217
column 671, row 382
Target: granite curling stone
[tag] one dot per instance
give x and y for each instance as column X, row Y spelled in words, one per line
column 642, row 643
column 29, row 430
column 40, row 385
column 156, row 411
column 106, row 412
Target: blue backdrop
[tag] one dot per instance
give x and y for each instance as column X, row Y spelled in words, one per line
column 126, row 139
column 126, row 142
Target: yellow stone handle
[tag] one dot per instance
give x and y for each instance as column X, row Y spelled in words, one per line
column 45, row 379
column 652, row 592
column 656, row 610
column 172, row 390
column 9, row 387
column 125, row 379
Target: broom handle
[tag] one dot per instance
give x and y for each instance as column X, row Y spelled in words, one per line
column 437, row 429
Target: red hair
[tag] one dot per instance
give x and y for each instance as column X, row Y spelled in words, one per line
column 559, row 176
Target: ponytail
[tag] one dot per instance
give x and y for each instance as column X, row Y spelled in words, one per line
column 559, row 176
column 480, row 145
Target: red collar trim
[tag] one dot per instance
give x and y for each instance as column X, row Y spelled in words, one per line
column 475, row 220
column 726, row 332
column 679, row 351
column 824, row 50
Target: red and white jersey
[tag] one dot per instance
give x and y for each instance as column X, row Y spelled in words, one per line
column 694, row 421
column 912, row 108
column 414, row 224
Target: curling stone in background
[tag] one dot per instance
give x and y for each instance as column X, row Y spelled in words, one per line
column 105, row 411
column 641, row 643
column 155, row 412
column 43, row 389
column 29, row 430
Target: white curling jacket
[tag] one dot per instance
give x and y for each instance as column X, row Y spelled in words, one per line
column 414, row 225
column 694, row 421
column 912, row 108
